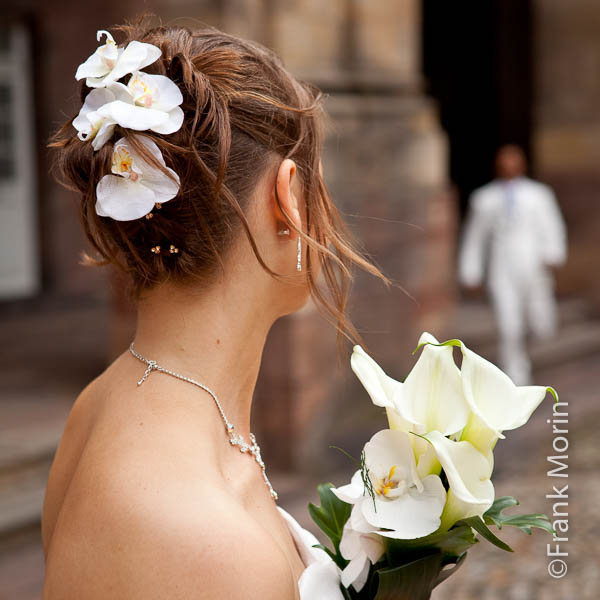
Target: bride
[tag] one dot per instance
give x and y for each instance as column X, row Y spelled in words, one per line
column 196, row 157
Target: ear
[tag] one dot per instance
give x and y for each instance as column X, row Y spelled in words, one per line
column 287, row 190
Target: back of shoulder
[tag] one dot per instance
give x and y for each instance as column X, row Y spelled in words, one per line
column 135, row 540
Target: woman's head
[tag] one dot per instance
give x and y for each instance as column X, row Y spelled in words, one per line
column 247, row 123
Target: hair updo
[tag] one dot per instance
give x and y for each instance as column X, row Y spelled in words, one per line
column 242, row 111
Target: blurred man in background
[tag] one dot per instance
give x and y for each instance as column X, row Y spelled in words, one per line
column 515, row 228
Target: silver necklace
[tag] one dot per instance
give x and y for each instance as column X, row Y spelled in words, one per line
column 235, row 439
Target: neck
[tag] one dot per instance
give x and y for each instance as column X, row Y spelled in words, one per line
column 215, row 336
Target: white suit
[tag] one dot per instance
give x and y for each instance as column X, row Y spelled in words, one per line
column 515, row 228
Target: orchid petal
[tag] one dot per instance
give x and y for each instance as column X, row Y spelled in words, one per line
column 132, row 117
column 356, row 572
column 160, row 91
column 98, row 64
column 123, row 199
column 104, row 134
column 94, row 67
column 120, row 92
column 373, row 547
column 412, row 515
column 136, row 56
column 164, row 187
column 88, row 121
column 389, row 448
column 359, row 546
column 352, row 492
column 173, row 122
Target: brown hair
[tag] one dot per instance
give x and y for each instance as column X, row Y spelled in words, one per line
column 243, row 111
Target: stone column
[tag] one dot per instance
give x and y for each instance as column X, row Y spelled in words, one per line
column 566, row 135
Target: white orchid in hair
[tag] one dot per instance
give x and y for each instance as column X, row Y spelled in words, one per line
column 93, row 125
column 134, row 186
column 109, row 62
column 147, row 102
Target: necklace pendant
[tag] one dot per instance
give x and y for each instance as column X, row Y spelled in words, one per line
column 235, row 439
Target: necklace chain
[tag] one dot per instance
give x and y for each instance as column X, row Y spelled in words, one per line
column 235, row 439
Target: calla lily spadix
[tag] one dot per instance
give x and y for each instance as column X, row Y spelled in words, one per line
column 135, row 186
column 398, row 500
column 109, row 62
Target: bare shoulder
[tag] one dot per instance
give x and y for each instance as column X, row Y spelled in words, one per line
column 146, row 548
column 146, row 517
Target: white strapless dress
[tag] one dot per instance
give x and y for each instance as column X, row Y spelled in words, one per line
column 321, row 578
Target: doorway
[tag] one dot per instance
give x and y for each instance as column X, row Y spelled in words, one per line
column 477, row 65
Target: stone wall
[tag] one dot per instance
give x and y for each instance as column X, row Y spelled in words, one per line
column 566, row 136
column 385, row 166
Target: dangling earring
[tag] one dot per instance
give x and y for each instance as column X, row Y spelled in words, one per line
column 299, row 263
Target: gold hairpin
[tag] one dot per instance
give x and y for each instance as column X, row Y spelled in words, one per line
column 173, row 249
column 158, row 205
column 155, row 249
column 149, row 215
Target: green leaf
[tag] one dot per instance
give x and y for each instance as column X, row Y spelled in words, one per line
column 332, row 515
column 445, row 573
column 500, row 504
column 481, row 528
column 494, row 516
column 412, row 581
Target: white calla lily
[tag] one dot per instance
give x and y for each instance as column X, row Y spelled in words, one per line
column 135, row 185
column 431, row 398
column 360, row 547
column 109, row 62
column 496, row 403
column 468, row 472
column 380, row 387
column 398, row 500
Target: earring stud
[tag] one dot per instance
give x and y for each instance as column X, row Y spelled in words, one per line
column 283, row 232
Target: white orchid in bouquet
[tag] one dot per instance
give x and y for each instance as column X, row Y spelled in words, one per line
column 423, row 486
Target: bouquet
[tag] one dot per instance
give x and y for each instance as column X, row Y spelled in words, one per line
column 422, row 488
